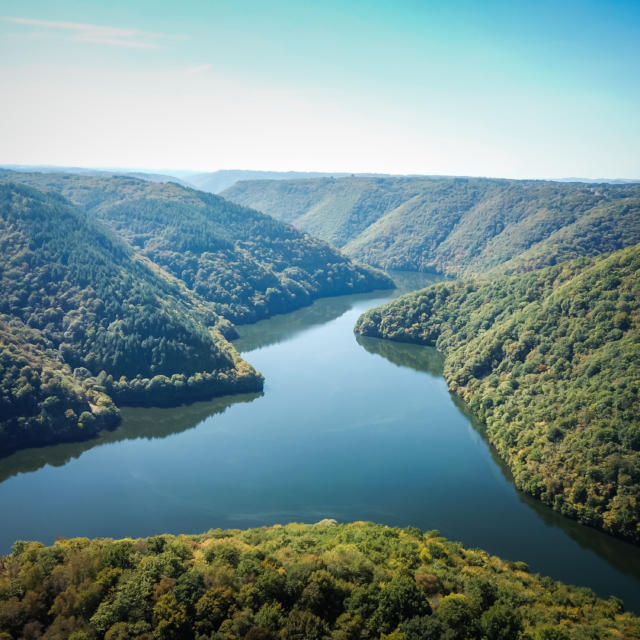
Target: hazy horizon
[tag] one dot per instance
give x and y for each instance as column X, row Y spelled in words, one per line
column 538, row 91
column 185, row 173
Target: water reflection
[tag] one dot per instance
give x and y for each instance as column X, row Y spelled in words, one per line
column 624, row 556
column 361, row 430
column 402, row 354
column 162, row 422
column 137, row 422
column 284, row 327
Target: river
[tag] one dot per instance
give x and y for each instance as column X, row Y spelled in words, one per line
column 347, row 428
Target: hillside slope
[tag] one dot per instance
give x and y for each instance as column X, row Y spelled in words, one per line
column 550, row 361
column 247, row 264
column 217, row 181
column 458, row 226
column 75, row 298
column 297, row 582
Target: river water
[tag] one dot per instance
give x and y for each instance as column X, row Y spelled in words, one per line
column 347, row 428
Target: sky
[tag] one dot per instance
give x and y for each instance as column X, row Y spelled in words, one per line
column 510, row 89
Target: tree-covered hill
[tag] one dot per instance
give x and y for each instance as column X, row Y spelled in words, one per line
column 326, row 581
column 550, row 361
column 247, row 264
column 458, row 226
column 84, row 318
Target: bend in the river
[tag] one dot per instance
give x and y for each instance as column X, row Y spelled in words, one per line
column 352, row 429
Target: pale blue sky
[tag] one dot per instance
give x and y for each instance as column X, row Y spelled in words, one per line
column 514, row 89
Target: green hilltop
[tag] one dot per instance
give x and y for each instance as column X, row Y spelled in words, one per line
column 550, row 362
column 457, row 226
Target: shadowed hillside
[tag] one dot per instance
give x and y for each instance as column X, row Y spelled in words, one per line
column 84, row 320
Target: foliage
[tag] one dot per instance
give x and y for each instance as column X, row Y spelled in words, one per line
column 83, row 318
column 247, row 264
column 40, row 400
column 303, row 582
column 459, row 226
column 550, row 361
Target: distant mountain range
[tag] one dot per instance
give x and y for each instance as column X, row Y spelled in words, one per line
column 84, row 171
column 217, row 181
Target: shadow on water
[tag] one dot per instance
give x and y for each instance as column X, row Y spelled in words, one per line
column 283, row 327
column 137, row 422
column 162, row 422
column 402, row 354
column 622, row 555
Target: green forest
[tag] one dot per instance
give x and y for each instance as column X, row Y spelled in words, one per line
column 457, row 226
column 119, row 291
column 85, row 322
column 247, row 264
column 550, row 362
column 298, row 582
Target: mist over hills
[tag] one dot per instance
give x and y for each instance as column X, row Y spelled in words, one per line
column 217, row 181
column 458, row 226
column 88, row 171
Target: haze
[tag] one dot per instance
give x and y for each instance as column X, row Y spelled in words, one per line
column 495, row 89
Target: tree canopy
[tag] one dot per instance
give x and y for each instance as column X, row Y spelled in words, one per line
column 303, row 582
column 84, row 321
column 458, row 226
column 246, row 263
column 550, row 362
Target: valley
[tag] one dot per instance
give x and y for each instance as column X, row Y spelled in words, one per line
column 383, row 440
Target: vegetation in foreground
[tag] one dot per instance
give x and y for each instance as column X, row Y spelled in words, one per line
column 550, row 361
column 297, row 582
column 457, row 226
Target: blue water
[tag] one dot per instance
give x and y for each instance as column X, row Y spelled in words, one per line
column 352, row 429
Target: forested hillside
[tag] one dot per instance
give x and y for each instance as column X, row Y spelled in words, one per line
column 84, row 321
column 247, row 264
column 40, row 400
column 458, row 226
column 550, row 361
column 298, row 582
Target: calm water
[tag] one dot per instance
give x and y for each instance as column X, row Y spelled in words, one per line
column 352, row 429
